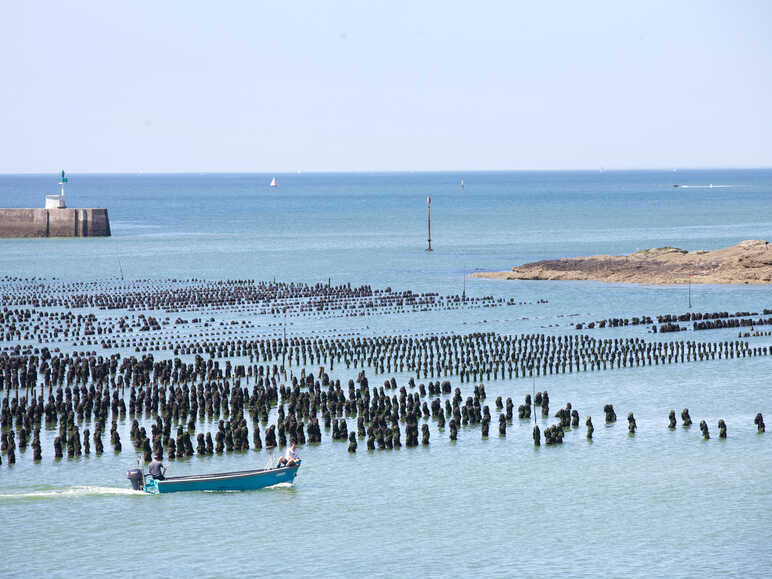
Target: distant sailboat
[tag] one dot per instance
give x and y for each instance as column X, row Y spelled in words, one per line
column 462, row 183
column 273, row 182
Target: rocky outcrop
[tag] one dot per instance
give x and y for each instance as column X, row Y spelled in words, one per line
column 749, row 262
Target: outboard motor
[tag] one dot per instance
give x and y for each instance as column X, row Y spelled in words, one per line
column 137, row 478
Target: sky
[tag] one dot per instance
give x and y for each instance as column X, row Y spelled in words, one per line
column 285, row 86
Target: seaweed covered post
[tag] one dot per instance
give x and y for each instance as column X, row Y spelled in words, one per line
column 429, row 223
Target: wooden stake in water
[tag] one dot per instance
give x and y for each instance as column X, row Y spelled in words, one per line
column 429, row 223
column 463, row 294
column 284, row 337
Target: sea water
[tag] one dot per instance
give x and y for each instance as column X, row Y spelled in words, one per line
column 661, row 503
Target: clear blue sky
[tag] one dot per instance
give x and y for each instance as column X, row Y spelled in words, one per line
column 278, row 86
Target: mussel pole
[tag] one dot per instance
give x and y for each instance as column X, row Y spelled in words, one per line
column 429, row 222
column 463, row 294
column 284, row 338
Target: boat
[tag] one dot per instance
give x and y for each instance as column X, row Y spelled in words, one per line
column 462, row 183
column 273, row 182
column 245, row 480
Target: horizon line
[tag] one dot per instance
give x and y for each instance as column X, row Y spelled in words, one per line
column 396, row 171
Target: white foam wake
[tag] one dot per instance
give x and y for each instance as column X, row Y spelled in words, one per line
column 281, row 485
column 69, row 492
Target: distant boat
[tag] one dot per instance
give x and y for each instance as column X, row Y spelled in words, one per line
column 462, row 183
column 708, row 186
column 677, row 185
column 273, row 182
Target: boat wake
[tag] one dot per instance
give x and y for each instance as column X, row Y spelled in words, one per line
column 70, row 492
column 281, row 485
column 704, row 186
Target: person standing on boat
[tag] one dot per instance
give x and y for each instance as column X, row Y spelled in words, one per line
column 292, row 458
column 157, row 469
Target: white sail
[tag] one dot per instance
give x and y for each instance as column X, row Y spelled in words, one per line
column 273, row 182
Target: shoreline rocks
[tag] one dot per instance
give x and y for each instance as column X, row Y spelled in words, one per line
column 749, row 262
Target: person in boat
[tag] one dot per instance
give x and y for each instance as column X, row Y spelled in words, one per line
column 157, row 469
column 292, row 458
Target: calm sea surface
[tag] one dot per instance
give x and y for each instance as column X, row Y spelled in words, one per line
column 662, row 503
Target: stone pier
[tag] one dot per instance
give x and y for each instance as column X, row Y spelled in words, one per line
column 54, row 223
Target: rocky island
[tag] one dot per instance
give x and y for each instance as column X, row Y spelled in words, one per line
column 748, row 262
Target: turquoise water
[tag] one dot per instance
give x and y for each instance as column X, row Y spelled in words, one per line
column 661, row 503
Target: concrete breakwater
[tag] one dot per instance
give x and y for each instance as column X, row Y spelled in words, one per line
column 60, row 222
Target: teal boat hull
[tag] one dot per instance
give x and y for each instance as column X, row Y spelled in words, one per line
column 246, row 480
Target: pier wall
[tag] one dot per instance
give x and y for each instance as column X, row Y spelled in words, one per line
column 54, row 223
